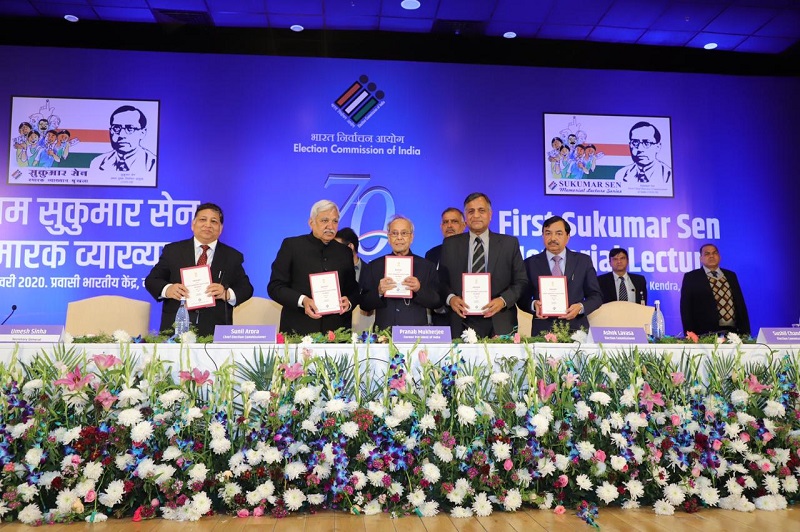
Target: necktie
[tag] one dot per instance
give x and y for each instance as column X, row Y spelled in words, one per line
column 203, row 260
column 478, row 257
column 723, row 296
column 557, row 267
column 623, row 289
column 122, row 166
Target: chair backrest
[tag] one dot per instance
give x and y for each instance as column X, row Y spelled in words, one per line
column 362, row 323
column 106, row 314
column 524, row 322
column 258, row 311
column 621, row 314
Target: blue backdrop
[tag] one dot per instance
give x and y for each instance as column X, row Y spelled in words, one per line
column 233, row 130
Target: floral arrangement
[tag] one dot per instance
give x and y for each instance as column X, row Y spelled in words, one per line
column 87, row 438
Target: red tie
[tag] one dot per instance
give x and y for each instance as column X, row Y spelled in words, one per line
column 203, row 260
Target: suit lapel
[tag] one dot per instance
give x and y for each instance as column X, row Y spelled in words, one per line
column 572, row 263
column 494, row 253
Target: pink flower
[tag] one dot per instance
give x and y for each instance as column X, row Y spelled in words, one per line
column 398, row 383
column 331, row 336
column 242, row 512
column 766, row 467
column 258, row 511
column 562, row 481
column 745, row 437
column 767, row 436
column 551, row 337
column 106, row 399
column 552, row 362
column 716, row 445
column 155, row 503
column 293, row 372
column 559, row 510
column 675, row 419
column 545, row 391
column 199, row 377
column 423, row 357
column 570, row 379
column 648, row 398
column 678, row 378
column 696, row 472
column 75, row 381
column 600, row 455
column 692, row 336
column 8, row 468
column 508, row 464
column 137, row 515
column 517, row 338
column 754, row 386
column 90, row 496
column 280, row 340
column 106, row 361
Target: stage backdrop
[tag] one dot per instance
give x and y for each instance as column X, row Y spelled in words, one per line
column 265, row 137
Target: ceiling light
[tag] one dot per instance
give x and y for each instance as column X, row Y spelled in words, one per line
column 710, row 46
column 71, row 18
column 296, row 27
column 509, row 35
column 410, row 4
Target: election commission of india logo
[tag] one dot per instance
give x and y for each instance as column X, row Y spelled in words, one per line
column 359, row 102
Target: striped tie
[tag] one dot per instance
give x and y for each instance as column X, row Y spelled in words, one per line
column 478, row 257
column 623, row 289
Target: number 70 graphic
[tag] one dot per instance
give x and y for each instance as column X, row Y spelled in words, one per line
column 358, row 199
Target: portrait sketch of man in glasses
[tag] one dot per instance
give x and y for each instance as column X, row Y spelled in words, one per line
column 127, row 129
column 644, row 140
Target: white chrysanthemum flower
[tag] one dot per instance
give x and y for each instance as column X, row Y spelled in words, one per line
column 501, row 450
column 230, row 490
column 431, row 473
column 674, row 494
column 442, row 453
column 739, row 397
column 630, row 504
column 429, row 509
column 32, row 387
column 790, row 484
column 122, row 461
column 416, row 497
column 774, row 409
column 293, row 470
column 734, row 338
column 770, row 503
column 129, row 417
column 220, row 445
column 142, row 431
column 65, row 500
column 360, row 480
column 373, row 507
column 582, row 410
column 600, row 397
column 541, row 424
column 583, row 482
column 146, row 468
column 545, row 466
column 315, row 499
column 607, row 492
column 501, row 377
column 772, row 484
column 171, row 397
column 294, row 499
column 524, row 477
column 306, row 395
column 481, row 505
column 512, row 500
column 27, row 492
column 171, row 453
column 628, row 397
column 270, row 455
column 93, row 471
column 459, row 512
column 580, row 336
column 618, row 463
column 96, row 517
column 402, row 410
column 436, row 402
column 377, row 408
column 635, row 488
column 469, row 336
column 585, row 449
column 335, row 406
column 547, row 503
column 309, row 426
column 463, row 382
column 662, row 507
column 192, row 413
column 34, row 456
column 349, row 429
column 164, row 472
column 710, row 495
column 130, row 397
column 216, row 430
column 247, row 387
column 121, row 336
column 30, row 515
column 467, row 415
column 198, row 472
column 427, row 423
column 261, row 398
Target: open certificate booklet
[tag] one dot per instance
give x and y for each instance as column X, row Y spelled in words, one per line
column 553, row 295
column 325, row 292
column 197, row 279
column 398, row 268
column 476, row 291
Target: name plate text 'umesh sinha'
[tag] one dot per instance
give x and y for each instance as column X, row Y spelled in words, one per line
column 245, row 334
column 779, row 335
column 617, row 335
column 31, row 334
column 430, row 334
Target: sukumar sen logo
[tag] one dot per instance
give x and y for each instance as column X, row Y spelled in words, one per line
column 359, row 102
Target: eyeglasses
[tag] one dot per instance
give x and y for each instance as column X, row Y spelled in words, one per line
column 404, row 234
column 635, row 143
column 116, row 128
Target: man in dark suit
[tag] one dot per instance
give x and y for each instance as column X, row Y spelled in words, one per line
column 481, row 250
column 618, row 284
column 423, row 282
column 711, row 298
column 452, row 224
column 300, row 256
column 230, row 285
column 583, row 292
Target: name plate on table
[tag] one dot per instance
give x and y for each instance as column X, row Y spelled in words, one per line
column 429, row 334
column 779, row 335
column 31, row 334
column 245, row 334
column 617, row 335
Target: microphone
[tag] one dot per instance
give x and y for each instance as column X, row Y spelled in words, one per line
column 13, row 310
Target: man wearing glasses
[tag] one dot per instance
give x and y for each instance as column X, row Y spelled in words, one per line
column 644, row 140
column 409, row 308
column 128, row 126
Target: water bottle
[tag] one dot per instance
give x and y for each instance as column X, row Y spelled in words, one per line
column 182, row 319
column 657, row 325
